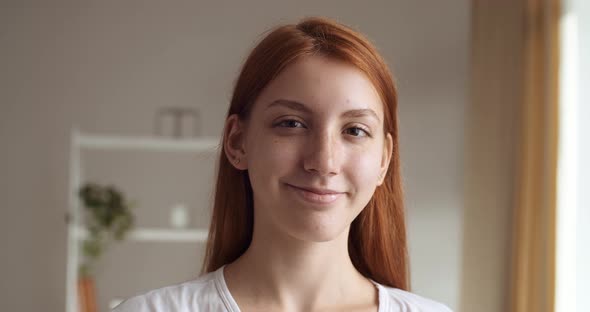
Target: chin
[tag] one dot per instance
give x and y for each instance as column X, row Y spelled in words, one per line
column 317, row 228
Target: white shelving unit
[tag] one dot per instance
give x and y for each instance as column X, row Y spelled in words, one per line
column 76, row 232
column 157, row 235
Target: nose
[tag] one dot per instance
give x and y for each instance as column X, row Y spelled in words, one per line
column 322, row 155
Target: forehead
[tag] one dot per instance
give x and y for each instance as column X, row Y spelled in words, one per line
column 324, row 85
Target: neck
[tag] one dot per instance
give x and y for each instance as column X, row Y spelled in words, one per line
column 289, row 274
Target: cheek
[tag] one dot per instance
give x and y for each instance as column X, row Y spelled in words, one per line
column 272, row 156
column 365, row 167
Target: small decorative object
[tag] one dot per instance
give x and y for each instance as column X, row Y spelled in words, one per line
column 179, row 216
column 181, row 119
column 108, row 217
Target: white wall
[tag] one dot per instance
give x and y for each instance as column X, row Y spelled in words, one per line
column 106, row 66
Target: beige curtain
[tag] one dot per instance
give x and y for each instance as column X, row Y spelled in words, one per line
column 510, row 161
column 533, row 267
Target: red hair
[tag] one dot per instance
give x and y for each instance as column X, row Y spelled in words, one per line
column 377, row 237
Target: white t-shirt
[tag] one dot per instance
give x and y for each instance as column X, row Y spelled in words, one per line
column 209, row 292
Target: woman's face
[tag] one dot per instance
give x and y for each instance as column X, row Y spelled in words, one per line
column 315, row 149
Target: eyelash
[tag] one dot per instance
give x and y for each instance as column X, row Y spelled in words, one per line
column 283, row 123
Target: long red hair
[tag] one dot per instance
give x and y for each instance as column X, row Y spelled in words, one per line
column 377, row 238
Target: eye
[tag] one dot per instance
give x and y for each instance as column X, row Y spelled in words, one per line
column 356, row 132
column 290, row 123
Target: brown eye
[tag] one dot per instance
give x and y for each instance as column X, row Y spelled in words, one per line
column 290, row 123
column 356, row 132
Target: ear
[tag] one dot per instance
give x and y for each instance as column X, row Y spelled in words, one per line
column 233, row 142
column 386, row 158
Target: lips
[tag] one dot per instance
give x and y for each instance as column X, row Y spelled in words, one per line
column 315, row 195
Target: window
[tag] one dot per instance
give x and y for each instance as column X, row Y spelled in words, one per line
column 573, row 194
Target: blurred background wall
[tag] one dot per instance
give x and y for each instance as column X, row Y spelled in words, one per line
column 107, row 66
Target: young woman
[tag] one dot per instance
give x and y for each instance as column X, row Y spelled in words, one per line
column 308, row 212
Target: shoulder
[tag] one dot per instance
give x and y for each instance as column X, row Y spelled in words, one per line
column 410, row 302
column 194, row 295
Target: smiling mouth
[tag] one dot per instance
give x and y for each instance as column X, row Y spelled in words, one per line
column 318, row 197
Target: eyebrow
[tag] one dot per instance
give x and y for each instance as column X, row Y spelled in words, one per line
column 294, row 105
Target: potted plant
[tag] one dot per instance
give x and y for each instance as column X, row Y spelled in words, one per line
column 107, row 218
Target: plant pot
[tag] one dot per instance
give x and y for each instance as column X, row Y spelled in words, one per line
column 86, row 294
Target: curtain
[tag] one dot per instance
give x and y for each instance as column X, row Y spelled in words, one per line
column 533, row 267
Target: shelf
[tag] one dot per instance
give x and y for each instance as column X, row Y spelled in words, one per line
column 158, row 235
column 147, row 143
column 81, row 142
